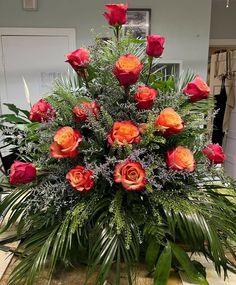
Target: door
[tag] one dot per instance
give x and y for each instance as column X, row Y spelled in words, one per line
column 38, row 56
column 218, row 67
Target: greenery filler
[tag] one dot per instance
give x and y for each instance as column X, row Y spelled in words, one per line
column 115, row 167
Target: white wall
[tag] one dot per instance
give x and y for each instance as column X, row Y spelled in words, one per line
column 223, row 20
column 184, row 23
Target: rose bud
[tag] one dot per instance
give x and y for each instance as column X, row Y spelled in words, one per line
column 22, row 172
column 124, row 133
column 197, row 89
column 116, row 15
column 142, row 128
column 214, row 153
column 127, row 69
column 155, row 45
column 82, row 111
column 81, row 178
column 41, row 111
column 180, row 158
column 78, row 59
column 145, row 97
column 66, row 141
column 131, row 175
column 169, row 122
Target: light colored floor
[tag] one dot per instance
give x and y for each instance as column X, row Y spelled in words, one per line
column 212, row 276
column 75, row 277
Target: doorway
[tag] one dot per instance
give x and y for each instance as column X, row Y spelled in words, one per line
column 38, row 56
column 222, row 64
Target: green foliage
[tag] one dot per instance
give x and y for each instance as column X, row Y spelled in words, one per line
column 109, row 227
column 163, row 266
column 187, row 265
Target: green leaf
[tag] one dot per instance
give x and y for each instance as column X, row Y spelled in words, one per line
column 16, row 110
column 163, row 266
column 187, row 265
column 12, row 107
column 152, row 254
column 11, row 118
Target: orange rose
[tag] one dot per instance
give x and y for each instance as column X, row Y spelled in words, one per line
column 81, row 112
column 130, row 174
column 123, row 133
column 144, row 97
column 81, row 178
column 66, row 141
column 180, row 158
column 127, row 69
column 169, row 122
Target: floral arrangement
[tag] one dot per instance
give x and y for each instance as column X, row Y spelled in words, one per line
column 115, row 167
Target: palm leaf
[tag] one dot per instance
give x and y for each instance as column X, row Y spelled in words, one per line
column 187, row 265
column 163, row 266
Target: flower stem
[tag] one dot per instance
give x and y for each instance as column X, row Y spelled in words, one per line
column 85, row 77
column 117, row 33
column 150, row 60
column 126, row 95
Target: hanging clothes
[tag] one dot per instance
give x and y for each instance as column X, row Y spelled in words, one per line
column 220, row 105
column 230, row 104
column 224, row 70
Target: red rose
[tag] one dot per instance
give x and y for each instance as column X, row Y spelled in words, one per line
column 169, row 122
column 82, row 111
column 123, row 133
column 66, row 141
column 78, row 59
column 155, row 45
column 214, row 153
column 127, row 69
column 81, row 178
column 180, row 158
column 197, row 89
column 130, row 174
column 145, row 97
column 117, row 14
column 41, row 111
column 22, row 172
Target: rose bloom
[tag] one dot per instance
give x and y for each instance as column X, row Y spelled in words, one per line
column 145, row 97
column 214, row 153
column 66, row 141
column 155, row 45
column 41, row 111
column 197, row 89
column 81, row 112
column 180, row 158
column 130, row 174
column 123, row 133
column 127, row 69
column 169, row 122
column 78, row 59
column 22, row 172
column 116, row 15
column 81, row 178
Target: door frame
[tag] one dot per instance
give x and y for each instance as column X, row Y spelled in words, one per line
column 222, row 42
column 69, row 33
